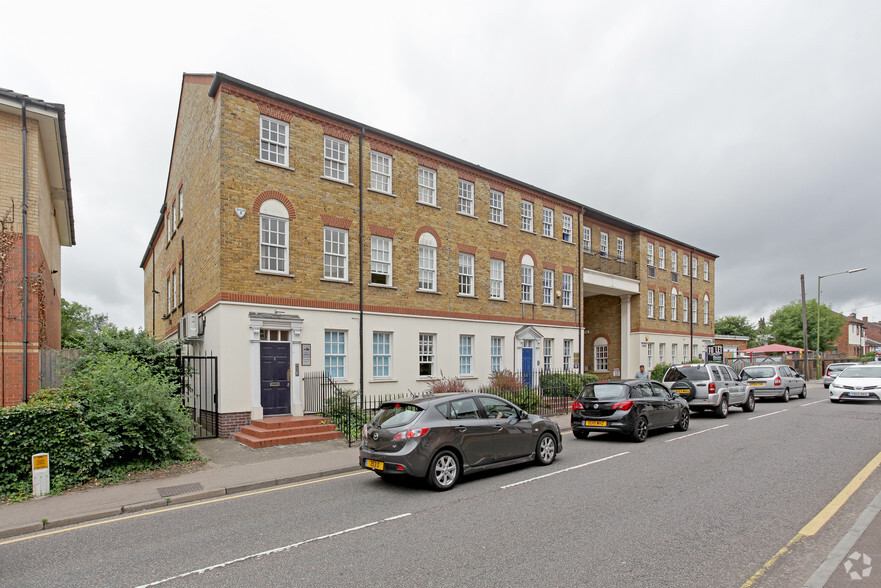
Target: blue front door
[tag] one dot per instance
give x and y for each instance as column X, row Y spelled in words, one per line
column 526, row 365
column 275, row 378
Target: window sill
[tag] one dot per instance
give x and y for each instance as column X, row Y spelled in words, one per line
column 428, row 204
column 498, row 300
column 382, row 381
column 567, row 242
column 277, row 274
column 549, row 305
column 569, row 307
column 375, row 191
column 333, row 281
column 336, row 181
column 529, row 302
column 502, row 224
column 462, row 377
column 342, row 381
column 466, row 214
column 522, row 230
column 273, row 164
column 420, row 291
column 466, row 296
column 382, row 286
column 551, row 237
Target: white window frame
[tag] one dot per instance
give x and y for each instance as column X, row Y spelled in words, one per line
column 466, row 355
column 567, row 355
column 526, row 217
column 674, row 348
column 650, row 352
column 497, row 279
column 662, row 258
column 380, row 172
column 273, row 253
column 381, row 260
column 604, row 244
column 694, row 266
column 694, row 310
column 466, row 274
column 527, row 268
column 496, row 207
column 650, row 303
column 650, row 253
column 427, row 354
column 684, row 308
column 685, row 265
column 335, row 349
column 662, row 347
column 567, row 228
column 674, row 310
column 466, row 198
column 706, row 271
column 686, row 353
column 274, row 145
column 619, row 252
column 547, row 222
column 496, row 349
column 174, row 219
column 547, row 354
column 662, row 305
column 174, row 284
column 382, row 355
column 547, row 287
column 566, row 289
column 168, row 295
column 336, row 254
column 706, row 309
column 673, row 261
column 601, row 355
column 180, row 205
column 336, row 159
column 585, row 239
column 426, row 178
column 427, row 279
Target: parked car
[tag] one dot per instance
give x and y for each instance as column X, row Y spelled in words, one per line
column 857, row 382
column 774, row 381
column 833, row 369
column 627, row 407
column 441, row 437
column 710, row 386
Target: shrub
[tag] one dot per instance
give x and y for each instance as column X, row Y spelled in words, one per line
column 526, row 399
column 446, row 386
column 565, row 384
column 505, row 381
column 659, row 370
column 342, row 408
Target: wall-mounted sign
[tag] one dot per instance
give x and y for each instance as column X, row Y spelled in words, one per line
column 307, row 354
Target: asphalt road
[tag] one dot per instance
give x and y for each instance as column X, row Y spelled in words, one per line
column 708, row 507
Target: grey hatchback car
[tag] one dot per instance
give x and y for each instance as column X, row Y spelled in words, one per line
column 441, row 437
column 774, row 381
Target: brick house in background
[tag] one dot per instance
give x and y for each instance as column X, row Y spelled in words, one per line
column 36, row 220
column 292, row 239
column 853, row 339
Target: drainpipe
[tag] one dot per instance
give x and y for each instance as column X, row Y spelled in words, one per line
column 579, row 246
column 693, row 310
column 361, row 265
column 24, row 242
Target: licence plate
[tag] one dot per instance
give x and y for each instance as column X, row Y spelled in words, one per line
column 683, row 391
column 858, row 394
column 594, row 423
column 756, row 383
column 374, row 465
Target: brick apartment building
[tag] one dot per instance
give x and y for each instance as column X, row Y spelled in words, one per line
column 854, row 340
column 36, row 220
column 293, row 240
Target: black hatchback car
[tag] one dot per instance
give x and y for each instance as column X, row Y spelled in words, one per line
column 628, row 407
column 443, row 436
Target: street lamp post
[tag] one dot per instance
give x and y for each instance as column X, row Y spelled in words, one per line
column 850, row 271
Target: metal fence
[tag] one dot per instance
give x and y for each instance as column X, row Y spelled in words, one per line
column 198, row 392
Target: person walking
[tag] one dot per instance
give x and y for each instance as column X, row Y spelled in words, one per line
column 642, row 374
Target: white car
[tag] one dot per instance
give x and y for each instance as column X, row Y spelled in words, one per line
column 857, row 382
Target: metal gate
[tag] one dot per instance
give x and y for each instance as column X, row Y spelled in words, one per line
column 198, row 390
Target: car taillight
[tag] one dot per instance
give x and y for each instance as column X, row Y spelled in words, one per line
column 364, row 432
column 828, row 372
column 577, row 405
column 625, row 405
column 712, row 388
column 411, row 434
column 777, row 381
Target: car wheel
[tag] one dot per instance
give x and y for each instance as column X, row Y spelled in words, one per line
column 804, row 392
column 444, row 470
column 750, row 404
column 826, row 386
column 684, row 421
column 580, row 434
column 641, row 430
column 546, row 449
column 785, row 397
column 721, row 411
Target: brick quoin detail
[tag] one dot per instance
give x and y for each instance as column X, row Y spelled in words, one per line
column 274, row 195
column 275, row 112
column 427, row 229
column 463, row 248
column 337, row 132
column 382, row 231
column 530, row 253
column 549, row 265
column 497, row 255
column 336, row 222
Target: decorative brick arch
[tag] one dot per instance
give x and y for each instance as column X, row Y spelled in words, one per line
column 274, row 195
column 531, row 254
column 598, row 336
column 428, row 229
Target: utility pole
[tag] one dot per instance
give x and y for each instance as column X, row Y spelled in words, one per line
column 804, row 328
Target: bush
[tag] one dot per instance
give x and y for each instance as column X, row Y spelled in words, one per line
column 160, row 358
column 526, row 399
column 659, row 370
column 338, row 409
column 447, row 386
column 505, row 381
column 565, row 384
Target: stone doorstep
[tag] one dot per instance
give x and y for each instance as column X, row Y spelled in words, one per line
column 288, row 421
column 258, row 442
column 256, row 431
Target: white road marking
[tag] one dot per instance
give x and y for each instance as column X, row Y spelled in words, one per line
column 810, row 403
column 566, row 470
column 271, row 551
column 693, row 434
column 761, row 416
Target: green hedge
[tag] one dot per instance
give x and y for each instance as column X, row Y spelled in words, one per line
column 565, row 384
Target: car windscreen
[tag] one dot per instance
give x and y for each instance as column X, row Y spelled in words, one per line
column 603, row 391
column 861, row 371
column 395, row 415
column 838, row 367
column 757, row 372
column 686, row 372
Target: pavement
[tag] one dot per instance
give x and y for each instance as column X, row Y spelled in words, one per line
column 233, row 468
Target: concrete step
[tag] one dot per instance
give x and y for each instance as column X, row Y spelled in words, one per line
column 288, row 439
column 263, row 433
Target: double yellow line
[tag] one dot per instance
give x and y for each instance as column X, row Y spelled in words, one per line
column 813, row 527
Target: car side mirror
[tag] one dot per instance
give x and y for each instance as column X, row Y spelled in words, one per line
column 522, row 414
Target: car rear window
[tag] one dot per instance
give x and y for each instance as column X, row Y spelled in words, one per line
column 686, row 372
column 395, row 415
column 758, row 372
column 603, row 391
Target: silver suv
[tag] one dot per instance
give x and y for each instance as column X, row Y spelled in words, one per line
column 710, row 386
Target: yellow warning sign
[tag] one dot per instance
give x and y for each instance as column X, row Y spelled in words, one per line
column 40, row 462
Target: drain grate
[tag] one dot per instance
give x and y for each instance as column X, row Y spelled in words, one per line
column 178, row 490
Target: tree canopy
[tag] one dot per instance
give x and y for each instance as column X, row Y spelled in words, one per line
column 786, row 325
column 735, row 325
column 79, row 324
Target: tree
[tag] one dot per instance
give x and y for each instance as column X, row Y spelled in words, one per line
column 79, row 324
column 786, row 325
column 735, row 325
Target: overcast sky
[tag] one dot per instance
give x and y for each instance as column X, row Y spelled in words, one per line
column 751, row 129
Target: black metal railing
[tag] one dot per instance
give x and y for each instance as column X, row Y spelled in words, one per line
column 198, row 392
column 609, row 264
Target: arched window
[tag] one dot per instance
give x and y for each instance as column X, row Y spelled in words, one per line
column 527, row 267
column 601, row 355
column 674, row 297
column 427, row 262
column 274, row 221
column 706, row 309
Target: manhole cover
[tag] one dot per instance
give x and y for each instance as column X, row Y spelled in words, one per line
column 178, row 490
